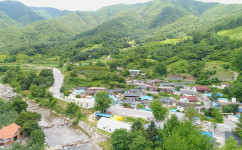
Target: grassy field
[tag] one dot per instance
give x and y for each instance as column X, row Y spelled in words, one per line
column 221, row 73
column 106, row 145
column 235, row 34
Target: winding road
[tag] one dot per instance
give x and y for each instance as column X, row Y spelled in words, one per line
column 235, row 75
column 59, row 79
column 55, row 90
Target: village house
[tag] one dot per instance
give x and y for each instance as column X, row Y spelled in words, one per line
column 132, row 103
column 201, row 89
column 132, row 96
column 111, row 125
column 224, row 85
column 144, row 98
column 176, row 77
column 134, row 91
column 181, row 106
column 153, row 82
column 167, row 101
column 120, row 69
column 186, row 92
column 146, row 104
column 129, row 82
column 166, row 84
column 187, row 99
column 166, row 89
column 148, row 87
column 94, row 90
column 134, row 72
column 9, row 134
column 138, row 82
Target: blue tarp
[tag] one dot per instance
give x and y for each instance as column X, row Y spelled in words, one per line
column 208, row 117
column 215, row 104
column 210, row 94
column 145, row 109
column 173, row 110
column 114, row 99
column 147, row 98
column 222, row 98
column 80, row 91
column 238, row 116
column 209, row 134
column 196, row 118
column 104, row 115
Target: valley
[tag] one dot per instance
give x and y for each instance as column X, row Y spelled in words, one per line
column 165, row 74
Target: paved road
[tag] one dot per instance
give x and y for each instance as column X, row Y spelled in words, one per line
column 206, row 102
column 59, row 79
column 130, row 112
column 55, row 89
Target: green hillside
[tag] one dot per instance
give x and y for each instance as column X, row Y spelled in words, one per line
column 235, row 34
column 49, row 13
column 6, row 22
column 19, row 12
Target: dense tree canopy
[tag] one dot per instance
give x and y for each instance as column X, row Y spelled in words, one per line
column 103, row 101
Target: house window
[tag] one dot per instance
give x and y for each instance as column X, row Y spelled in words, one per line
column 110, row 130
column 103, row 127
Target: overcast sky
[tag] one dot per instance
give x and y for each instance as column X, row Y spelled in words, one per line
column 83, row 5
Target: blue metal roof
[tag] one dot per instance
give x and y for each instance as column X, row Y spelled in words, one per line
column 80, row 91
column 103, row 115
column 147, row 98
column 210, row 94
column 215, row 104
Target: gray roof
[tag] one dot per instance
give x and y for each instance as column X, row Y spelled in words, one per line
column 236, row 138
column 185, row 104
column 118, row 90
column 167, row 84
column 166, row 100
column 81, row 88
column 130, row 102
column 179, row 85
column 132, row 95
column 186, row 92
column 176, row 78
column 146, row 102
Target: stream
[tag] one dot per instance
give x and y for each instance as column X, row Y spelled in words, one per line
column 59, row 135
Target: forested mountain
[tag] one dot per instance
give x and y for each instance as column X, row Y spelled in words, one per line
column 19, row 12
column 113, row 27
column 6, row 21
column 49, row 13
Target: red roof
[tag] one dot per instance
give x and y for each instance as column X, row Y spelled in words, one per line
column 192, row 98
column 9, row 131
column 202, row 88
column 184, row 96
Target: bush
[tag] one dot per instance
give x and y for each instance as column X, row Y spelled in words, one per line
column 66, row 93
column 78, row 96
column 69, row 67
column 37, row 137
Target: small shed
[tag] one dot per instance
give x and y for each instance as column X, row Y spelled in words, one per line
column 110, row 125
